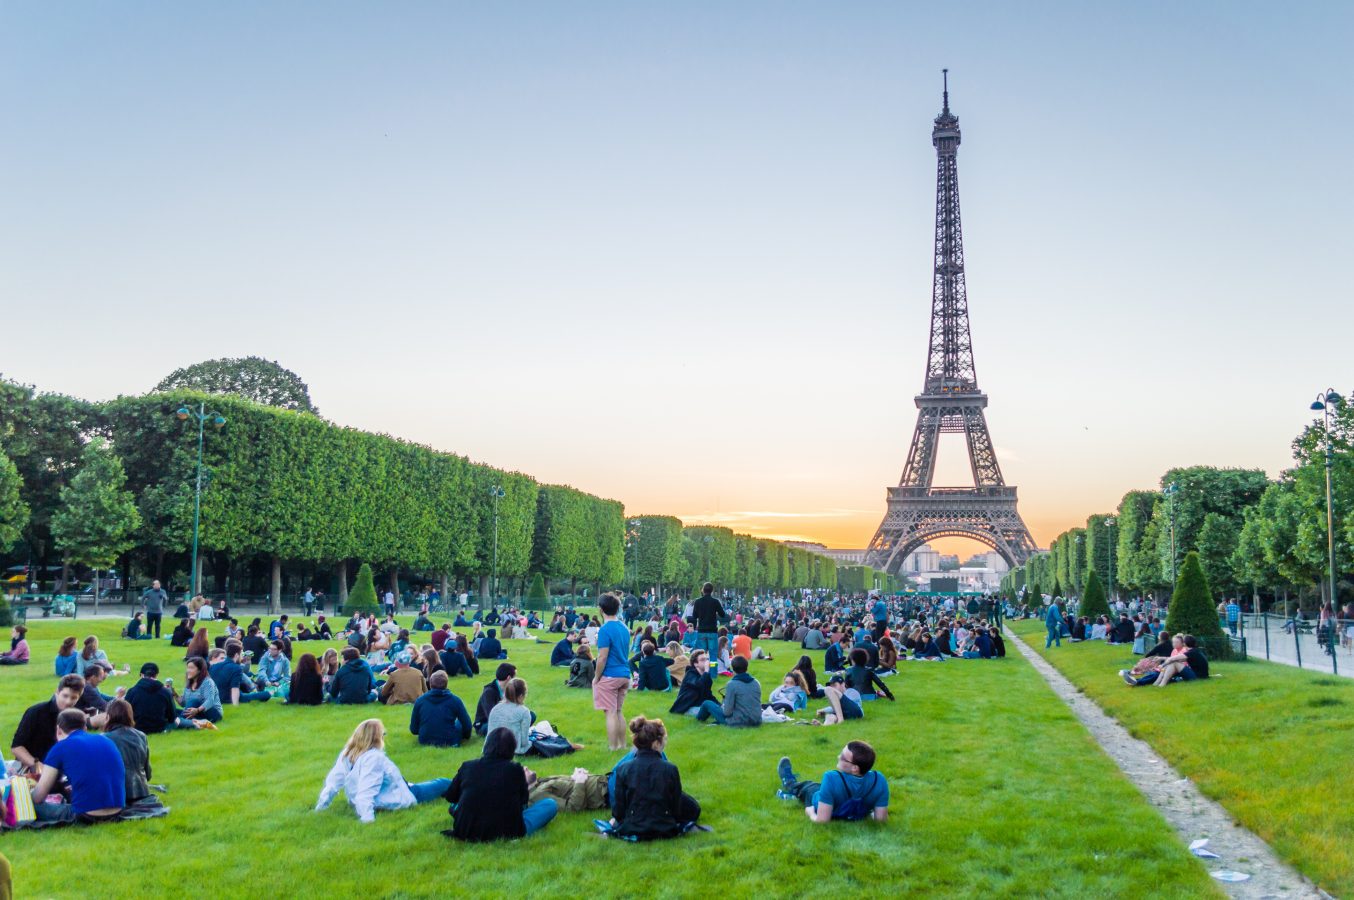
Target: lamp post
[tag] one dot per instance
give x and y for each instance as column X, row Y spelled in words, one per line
column 1109, row 526
column 217, row 420
column 1327, row 403
column 497, row 493
column 1169, row 493
column 632, row 538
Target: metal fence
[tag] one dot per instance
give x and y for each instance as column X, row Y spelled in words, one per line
column 1301, row 642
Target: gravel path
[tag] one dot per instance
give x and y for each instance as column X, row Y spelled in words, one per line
column 1189, row 812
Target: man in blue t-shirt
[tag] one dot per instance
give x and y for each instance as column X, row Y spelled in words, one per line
column 93, row 766
column 612, row 678
column 850, row 792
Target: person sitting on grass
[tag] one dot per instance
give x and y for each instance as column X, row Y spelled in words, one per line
column 36, row 734
column 18, row 648
column 354, row 682
column 653, row 669
column 198, row 645
column 562, row 654
column 422, row 622
column 888, row 656
column 680, row 661
column 742, row 697
column 1146, row 669
column 152, row 703
column 647, row 802
column 834, row 660
column 492, row 695
column 695, row 696
column 843, row 702
column 1189, row 665
column 850, row 792
column 405, row 684
column 927, row 648
column 67, row 659
column 581, row 669
column 805, row 668
column 791, row 694
column 489, row 795
column 439, row 717
column 91, row 655
column 456, row 658
column 230, row 678
column 201, row 700
column 182, row 634
column 134, row 749
column 863, row 679
column 133, row 630
column 490, row 647
column 307, row 682
column 92, row 766
column 512, row 714
column 371, row 780
column 274, row 669
column 998, row 643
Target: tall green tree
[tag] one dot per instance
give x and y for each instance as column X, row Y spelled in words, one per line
column 97, row 517
column 250, row 377
column 1192, row 610
column 13, row 510
column 659, row 550
column 1093, row 602
column 1133, row 514
column 362, row 598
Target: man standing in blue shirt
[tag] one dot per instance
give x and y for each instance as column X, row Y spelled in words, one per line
column 93, row 766
column 1053, row 620
column 850, row 792
column 612, row 680
column 1233, row 616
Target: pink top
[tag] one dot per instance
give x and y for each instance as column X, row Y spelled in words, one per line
column 20, row 651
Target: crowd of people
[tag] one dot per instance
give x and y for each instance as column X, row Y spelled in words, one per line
column 91, row 748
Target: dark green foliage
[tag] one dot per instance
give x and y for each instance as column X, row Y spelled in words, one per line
column 14, row 511
column 362, row 598
column 659, row 550
column 1192, row 608
column 1093, row 601
column 252, row 378
column 97, row 517
column 538, row 597
column 6, row 614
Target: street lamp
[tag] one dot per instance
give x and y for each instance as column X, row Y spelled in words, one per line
column 1169, row 493
column 1327, row 403
column 1109, row 525
column 632, row 538
column 217, row 420
column 497, row 493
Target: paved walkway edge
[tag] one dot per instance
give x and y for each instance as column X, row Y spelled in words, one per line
column 1189, row 812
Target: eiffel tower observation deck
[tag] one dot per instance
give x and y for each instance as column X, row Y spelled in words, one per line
column 950, row 402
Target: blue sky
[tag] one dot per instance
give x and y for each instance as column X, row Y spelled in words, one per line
column 679, row 254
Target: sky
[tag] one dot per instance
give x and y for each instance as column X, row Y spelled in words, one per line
column 679, row 254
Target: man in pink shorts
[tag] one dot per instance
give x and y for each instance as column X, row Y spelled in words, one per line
column 612, row 681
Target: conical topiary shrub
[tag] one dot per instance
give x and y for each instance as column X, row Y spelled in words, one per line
column 1033, row 597
column 362, row 598
column 1192, row 610
column 537, row 595
column 1093, row 601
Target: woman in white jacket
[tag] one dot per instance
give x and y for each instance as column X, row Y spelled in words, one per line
column 371, row 780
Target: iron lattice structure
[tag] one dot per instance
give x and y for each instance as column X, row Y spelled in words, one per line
column 950, row 402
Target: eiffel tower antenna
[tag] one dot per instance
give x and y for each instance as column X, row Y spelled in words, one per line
column 950, row 402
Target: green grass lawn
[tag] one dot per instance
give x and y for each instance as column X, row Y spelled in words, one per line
column 1272, row 744
column 996, row 791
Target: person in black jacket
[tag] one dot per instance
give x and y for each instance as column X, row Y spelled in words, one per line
column 491, row 647
column 454, row 662
column 706, row 614
column 488, row 796
column 183, row 633
column 647, row 803
column 863, row 678
column 491, row 695
column 152, row 705
column 354, row 682
column 696, row 695
column 307, row 684
column 562, row 654
column 439, row 717
column 653, row 669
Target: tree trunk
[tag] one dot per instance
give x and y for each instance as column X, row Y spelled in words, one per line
column 197, row 576
column 445, row 588
column 395, row 580
column 341, row 571
column 275, row 594
column 484, row 590
column 159, row 565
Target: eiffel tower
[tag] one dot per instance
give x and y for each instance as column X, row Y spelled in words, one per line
column 950, row 402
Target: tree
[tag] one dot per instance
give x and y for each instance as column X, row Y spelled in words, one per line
column 538, row 597
column 1192, row 609
column 1135, row 511
column 98, row 516
column 1217, row 543
column 362, row 598
column 14, row 511
column 1093, row 601
column 660, row 549
column 252, row 378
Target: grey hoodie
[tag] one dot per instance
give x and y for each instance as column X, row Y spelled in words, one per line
column 743, row 701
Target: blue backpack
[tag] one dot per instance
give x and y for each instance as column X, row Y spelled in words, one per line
column 854, row 808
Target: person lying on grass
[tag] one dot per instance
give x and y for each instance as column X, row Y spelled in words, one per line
column 843, row 702
column 489, row 795
column 371, row 780
column 647, row 802
column 850, row 792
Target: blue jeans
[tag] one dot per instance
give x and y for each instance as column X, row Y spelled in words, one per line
column 1055, row 636
column 707, row 641
column 538, row 815
column 711, row 709
column 427, row 791
column 255, row 696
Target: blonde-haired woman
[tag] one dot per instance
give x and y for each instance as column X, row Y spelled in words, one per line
column 371, row 780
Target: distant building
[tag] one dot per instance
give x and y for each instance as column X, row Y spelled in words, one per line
column 811, row 547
